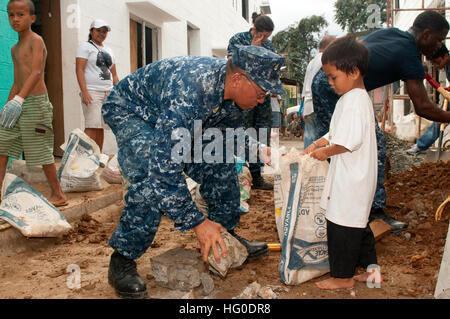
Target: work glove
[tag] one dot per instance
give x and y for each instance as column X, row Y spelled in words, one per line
column 11, row 112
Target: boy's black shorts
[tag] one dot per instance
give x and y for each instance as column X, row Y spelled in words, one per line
column 349, row 248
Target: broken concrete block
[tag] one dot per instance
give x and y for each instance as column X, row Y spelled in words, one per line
column 237, row 255
column 207, row 283
column 267, row 293
column 251, row 291
column 379, row 228
column 190, row 295
column 178, row 269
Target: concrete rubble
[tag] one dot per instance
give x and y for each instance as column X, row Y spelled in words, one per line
column 237, row 255
column 179, row 269
column 256, row 291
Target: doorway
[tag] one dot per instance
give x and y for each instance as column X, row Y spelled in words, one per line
column 48, row 26
column 143, row 44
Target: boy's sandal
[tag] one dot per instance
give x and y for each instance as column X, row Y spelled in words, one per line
column 60, row 204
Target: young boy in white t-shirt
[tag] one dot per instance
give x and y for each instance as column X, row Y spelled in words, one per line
column 352, row 178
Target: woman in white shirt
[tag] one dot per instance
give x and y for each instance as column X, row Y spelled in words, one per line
column 96, row 74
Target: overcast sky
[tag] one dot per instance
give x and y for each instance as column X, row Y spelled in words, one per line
column 287, row 12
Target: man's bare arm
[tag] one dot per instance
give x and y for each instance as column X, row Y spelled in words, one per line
column 423, row 106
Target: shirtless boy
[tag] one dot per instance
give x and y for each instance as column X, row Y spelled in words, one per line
column 26, row 119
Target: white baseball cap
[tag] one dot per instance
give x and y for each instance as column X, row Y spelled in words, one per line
column 97, row 24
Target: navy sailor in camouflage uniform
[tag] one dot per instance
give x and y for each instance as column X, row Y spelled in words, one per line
column 146, row 110
column 260, row 117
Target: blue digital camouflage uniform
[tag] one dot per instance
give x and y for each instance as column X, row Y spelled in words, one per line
column 143, row 110
column 261, row 116
column 324, row 101
column 150, row 112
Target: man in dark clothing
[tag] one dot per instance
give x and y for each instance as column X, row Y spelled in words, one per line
column 394, row 55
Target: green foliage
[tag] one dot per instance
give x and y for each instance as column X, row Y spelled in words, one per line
column 298, row 44
column 353, row 15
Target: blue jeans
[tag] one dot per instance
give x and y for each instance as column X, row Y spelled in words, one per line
column 310, row 130
column 429, row 137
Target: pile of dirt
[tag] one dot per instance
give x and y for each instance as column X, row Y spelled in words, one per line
column 87, row 228
column 420, row 189
column 397, row 158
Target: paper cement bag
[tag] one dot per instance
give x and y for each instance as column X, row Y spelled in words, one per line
column 301, row 223
column 78, row 170
column 27, row 210
column 111, row 173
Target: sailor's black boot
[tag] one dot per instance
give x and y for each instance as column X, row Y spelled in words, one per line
column 255, row 249
column 123, row 276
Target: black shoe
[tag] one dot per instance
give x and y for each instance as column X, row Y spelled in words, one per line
column 123, row 276
column 260, row 183
column 397, row 226
column 255, row 249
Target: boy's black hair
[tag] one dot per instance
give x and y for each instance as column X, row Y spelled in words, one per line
column 347, row 54
column 440, row 53
column 262, row 22
column 29, row 3
column 432, row 20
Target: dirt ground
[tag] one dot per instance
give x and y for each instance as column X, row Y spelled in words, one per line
column 409, row 262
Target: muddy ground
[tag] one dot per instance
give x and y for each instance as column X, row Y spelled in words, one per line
column 409, row 262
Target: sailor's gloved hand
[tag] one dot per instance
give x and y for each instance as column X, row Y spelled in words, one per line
column 11, row 112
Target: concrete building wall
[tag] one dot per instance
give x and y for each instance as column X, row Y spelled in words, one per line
column 7, row 40
column 211, row 24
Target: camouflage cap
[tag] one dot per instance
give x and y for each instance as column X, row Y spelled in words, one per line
column 262, row 66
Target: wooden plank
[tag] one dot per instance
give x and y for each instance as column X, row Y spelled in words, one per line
column 379, row 228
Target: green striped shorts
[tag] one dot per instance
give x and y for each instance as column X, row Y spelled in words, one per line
column 32, row 134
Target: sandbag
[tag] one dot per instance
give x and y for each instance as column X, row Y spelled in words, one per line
column 27, row 210
column 78, row 170
column 111, row 172
column 300, row 220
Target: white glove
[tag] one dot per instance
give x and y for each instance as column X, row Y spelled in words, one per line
column 11, row 112
column 265, row 154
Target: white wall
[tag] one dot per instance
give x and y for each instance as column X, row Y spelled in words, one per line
column 216, row 21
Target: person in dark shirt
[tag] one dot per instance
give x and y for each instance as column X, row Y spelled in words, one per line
column 441, row 60
column 394, row 55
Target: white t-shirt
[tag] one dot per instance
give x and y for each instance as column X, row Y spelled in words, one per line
column 352, row 177
column 97, row 73
column 313, row 67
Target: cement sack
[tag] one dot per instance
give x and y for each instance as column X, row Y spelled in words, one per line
column 30, row 174
column 27, row 210
column 301, row 223
column 78, row 170
column 407, row 128
column 111, row 173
